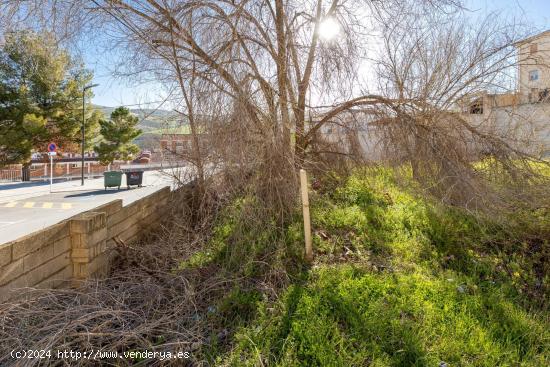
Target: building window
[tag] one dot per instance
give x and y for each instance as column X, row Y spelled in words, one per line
column 181, row 146
column 533, row 48
column 544, row 96
column 476, row 108
column 533, row 96
column 533, row 75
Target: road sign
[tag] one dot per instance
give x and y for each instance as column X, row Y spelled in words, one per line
column 51, row 152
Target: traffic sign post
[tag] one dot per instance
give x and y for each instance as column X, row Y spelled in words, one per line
column 51, row 152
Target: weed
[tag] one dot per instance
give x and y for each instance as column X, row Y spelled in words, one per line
column 421, row 284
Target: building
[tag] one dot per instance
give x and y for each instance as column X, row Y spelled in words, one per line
column 533, row 80
column 534, row 68
column 175, row 143
column 521, row 117
column 179, row 146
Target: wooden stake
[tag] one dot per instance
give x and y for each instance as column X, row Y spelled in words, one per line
column 307, row 221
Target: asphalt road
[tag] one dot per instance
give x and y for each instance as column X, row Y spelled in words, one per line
column 27, row 209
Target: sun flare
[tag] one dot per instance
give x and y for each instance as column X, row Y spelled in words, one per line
column 328, row 29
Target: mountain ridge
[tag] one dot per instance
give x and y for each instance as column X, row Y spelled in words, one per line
column 150, row 120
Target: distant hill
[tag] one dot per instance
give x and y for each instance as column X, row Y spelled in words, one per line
column 151, row 121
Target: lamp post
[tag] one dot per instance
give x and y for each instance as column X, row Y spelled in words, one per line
column 83, row 129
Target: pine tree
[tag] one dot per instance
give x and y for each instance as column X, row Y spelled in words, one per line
column 118, row 134
column 40, row 98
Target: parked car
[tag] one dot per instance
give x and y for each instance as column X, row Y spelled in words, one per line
column 37, row 156
column 141, row 160
column 144, row 157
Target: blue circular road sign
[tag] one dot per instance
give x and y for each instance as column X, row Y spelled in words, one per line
column 52, row 147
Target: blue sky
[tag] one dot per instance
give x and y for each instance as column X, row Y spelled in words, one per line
column 536, row 11
column 115, row 92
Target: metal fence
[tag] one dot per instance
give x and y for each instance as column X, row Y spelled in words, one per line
column 10, row 175
column 62, row 170
column 72, row 170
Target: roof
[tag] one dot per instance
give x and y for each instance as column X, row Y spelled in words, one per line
column 529, row 39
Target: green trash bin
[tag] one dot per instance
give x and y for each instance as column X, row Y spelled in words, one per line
column 112, row 179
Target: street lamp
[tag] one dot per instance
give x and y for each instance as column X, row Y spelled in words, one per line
column 83, row 128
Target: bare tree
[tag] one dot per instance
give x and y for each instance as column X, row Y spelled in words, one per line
column 427, row 68
column 266, row 64
column 266, row 57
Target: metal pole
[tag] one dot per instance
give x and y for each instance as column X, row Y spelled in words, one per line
column 83, row 135
column 51, row 172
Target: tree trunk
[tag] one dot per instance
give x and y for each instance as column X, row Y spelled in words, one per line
column 282, row 74
column 26, row 172
column 299, row 148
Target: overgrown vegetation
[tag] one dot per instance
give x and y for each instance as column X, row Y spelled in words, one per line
column 452, row 270
column 402, row 281
column 397, row 281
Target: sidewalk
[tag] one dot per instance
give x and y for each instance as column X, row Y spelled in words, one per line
column 22, row 190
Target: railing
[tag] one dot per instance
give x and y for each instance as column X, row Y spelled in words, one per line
column 10, row 175
column 151, row 166
column 66, row 170
column 63, row 170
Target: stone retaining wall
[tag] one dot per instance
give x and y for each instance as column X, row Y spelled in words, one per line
column 77, row 248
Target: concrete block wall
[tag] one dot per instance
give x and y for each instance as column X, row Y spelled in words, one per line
column 77, row 248
column 41, row 259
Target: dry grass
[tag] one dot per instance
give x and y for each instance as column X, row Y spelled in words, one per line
column 143, row 304
column 148, row 302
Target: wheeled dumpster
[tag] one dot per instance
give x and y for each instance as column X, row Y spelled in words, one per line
column 112, row 179
column 134, row 178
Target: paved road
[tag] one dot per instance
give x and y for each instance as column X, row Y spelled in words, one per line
column 27, row 208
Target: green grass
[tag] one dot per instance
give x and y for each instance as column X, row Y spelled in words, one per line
column 397, row 281
column 183, row 129
column 346, row 316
